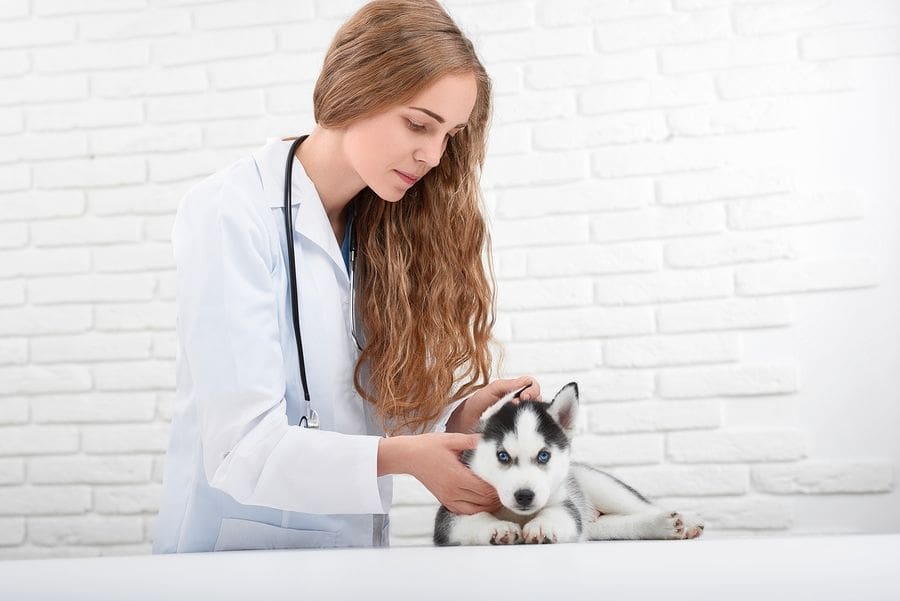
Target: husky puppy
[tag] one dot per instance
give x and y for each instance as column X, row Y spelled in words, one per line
column 524, row 453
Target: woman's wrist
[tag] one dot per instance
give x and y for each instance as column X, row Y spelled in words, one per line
column 393, row 455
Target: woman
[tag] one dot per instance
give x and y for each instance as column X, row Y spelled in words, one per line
column 401, row 109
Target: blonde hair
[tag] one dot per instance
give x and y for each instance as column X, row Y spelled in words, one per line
column 424, row 299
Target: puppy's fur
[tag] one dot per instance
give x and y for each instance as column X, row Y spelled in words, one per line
column 524, row 453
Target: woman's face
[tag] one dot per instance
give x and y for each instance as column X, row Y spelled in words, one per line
column 391, row 150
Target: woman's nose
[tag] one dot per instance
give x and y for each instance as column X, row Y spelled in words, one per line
column 431, row 153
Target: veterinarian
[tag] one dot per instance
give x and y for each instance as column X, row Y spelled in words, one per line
column 395, row 306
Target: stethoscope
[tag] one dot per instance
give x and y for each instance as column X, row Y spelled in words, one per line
column 311, row 419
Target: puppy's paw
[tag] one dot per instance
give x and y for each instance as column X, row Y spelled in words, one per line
column 541, row 530
column 693, row 527
column 506, row 533
column 668, row 525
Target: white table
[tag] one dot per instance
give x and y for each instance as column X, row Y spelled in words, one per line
column 845, row 568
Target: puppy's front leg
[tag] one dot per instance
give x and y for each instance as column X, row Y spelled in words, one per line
column 483, row 529
column 553, row 524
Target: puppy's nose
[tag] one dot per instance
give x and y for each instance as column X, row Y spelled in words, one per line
column 524, row 497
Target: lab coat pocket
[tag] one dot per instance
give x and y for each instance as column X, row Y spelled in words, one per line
column 236, row 534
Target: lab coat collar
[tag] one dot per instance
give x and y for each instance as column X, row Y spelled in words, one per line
column 310, row 219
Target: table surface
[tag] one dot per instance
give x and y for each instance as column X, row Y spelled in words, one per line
column 822, row 568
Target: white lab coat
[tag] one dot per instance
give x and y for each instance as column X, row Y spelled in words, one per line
column 240, row 473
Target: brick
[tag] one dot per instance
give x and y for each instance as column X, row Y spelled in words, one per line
column 32, row 379
column 726, row 314
column 32, row 552
column 46, row 88
column 209, row 47
column 31, row 262
column 84, row 530
column 44, row 500
column 147, row 199
column 750, row 116
column 90, row 347
column 154, row 315
column 524, row 45
column 851, row 42
column 557, row 168
column 663, row 30
column 580, row 197
column 89, row 470
column 13, row 410
column 179, row 166
column 125, row 258
column 574, row 132
column 37, row 440
column 510, row 138
column 125, row 439
column 136, row 24
column 127, row 499
column 14, row 9
column 41, row 204
column 594, row 259
column 781, row 80
column 627, row 449
column 509, row 263
column 27, row 34
column 723, row 54
column 792, row 16
column 685, row 349
column 836, row 273
column 87, row 114
column 89, row 230
column 569, row 71
column 745, row 380
column 246, row 14
column 654, row 158
column 113, row 141
column 73, row 7
column 687, row 481
column 14, row 178
column 40, row 146
column 729, row 249
column 736, row 446
column 14, row 235
column 90, row 288
column 12, row 293
column 45, row 320
column 263, row 71
column 623, row 418
column 135, row 375
column 493, row 17
column 749, row 513
column 666, row 286
column 795, row 209
column 92, row 56
column 579, row 11
column 564, row 229
column 824, row 478
column 150, row 81
column 12, row 531
column 215, row 105
column 589, row 322
column 12, row 471
column 523, row 357
column 658, row 222
column 165, row 346
column 165, row 406
column 93, row 407
column 649, row 93
column 543, row 293
column 13, row 63
column 13, row 352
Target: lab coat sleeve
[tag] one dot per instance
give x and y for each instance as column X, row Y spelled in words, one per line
column 228, row 328
column 441, row 423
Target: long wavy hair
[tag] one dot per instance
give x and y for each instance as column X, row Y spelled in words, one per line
column 425, row 278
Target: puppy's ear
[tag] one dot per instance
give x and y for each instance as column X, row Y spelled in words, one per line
column 564, row 406
column 487, row 413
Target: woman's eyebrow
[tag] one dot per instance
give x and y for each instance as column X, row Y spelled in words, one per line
column 434, row 115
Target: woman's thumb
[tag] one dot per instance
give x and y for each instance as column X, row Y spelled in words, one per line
column 461, row 442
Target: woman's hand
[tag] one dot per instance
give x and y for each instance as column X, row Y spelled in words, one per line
column 433, row 460
column 466, row 416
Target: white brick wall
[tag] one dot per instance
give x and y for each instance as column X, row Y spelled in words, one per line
column 693, row 213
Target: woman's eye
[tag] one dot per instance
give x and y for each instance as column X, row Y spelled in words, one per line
column 415, row 126
column 503, row 457
column 543, row 457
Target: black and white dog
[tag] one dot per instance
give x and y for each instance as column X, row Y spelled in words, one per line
column 524, row 453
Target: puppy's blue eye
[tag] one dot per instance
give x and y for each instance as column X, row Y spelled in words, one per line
column 503, row 456
column 543, row 457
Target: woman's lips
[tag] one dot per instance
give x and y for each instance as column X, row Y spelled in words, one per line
column 408, row 179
